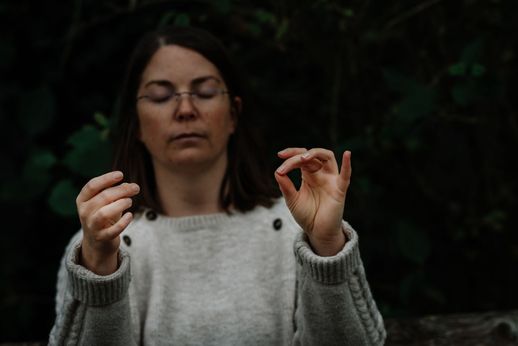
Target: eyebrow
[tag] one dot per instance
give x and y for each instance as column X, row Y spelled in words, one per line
column 195, row 81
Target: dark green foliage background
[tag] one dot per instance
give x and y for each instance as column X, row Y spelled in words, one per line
column 422, row 92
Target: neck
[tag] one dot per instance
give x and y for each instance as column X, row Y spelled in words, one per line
column 191, row 191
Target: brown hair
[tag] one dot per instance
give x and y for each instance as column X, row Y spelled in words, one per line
column 246, row 182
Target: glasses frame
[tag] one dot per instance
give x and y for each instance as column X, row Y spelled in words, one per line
column 177, row 96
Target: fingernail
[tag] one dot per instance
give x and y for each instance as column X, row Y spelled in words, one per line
column 282, row 151
column 306, row 155
column 280, row 170
column 117, row 175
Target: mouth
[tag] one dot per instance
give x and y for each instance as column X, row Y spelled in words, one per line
column 187, row 135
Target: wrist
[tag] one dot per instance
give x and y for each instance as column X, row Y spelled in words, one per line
column 329, row 246
column 96, row 263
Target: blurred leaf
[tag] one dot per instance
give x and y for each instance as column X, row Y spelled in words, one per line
column 265, row 17
column 39, row 162
column 36, row 172
column 166, row 19
column 463, row 94
column 282, row 29
column 347, row 12
column 223, row 6
column 458, row 69
column 62, row 198
column 460, row 94
column 495, row 219
column 33, row 180
column 101, row 120
column 90, row 153
column 472, row 52
column 36, row 110
column 478, row 70
column 412, row 143
column 182, row 20
column 254, row 29
column 413, row 243
column 419, row 102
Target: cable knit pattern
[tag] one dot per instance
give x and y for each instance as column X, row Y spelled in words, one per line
column 366, row 307
column 329, row 270
column 93, row 289
column 218, row 280
column 76, row 327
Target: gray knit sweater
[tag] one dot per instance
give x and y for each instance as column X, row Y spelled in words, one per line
column 244, row 279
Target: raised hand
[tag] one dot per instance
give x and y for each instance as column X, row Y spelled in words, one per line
column 318, row 204
column 100, row 206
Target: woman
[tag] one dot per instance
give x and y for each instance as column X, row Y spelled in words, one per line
column 215, row 259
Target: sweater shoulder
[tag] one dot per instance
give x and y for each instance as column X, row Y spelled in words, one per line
column 277, row 216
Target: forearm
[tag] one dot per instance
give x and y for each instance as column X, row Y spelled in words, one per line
column 92, row 309
column 334, row 303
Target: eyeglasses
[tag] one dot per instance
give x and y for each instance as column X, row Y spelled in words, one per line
column 199, row 98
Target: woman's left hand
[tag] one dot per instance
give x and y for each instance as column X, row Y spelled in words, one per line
column 318, row 205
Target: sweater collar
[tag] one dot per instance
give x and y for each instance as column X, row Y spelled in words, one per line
column 186, row 223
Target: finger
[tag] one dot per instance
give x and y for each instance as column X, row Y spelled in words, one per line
column 289, row 152
column 110, row 195
column 327, row 157
column 97, row 184
column 116, row 229
column 110, row 214
column 294, row 162
column 345, row 171
column 286, row 186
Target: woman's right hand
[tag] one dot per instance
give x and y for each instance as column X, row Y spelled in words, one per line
column 100, row 206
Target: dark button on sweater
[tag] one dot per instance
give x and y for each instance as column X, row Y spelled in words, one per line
column 126, row 239
column 151, row 215
column 277, row 224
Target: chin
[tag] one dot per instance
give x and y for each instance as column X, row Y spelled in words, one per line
column 193, row 160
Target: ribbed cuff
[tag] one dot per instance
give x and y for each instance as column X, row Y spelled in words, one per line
column 93, row 289
column 329, row 270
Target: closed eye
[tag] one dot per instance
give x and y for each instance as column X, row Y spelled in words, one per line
column 206, row 93
column 160, row 98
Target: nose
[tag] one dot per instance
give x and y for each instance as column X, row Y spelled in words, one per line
column 185, row 109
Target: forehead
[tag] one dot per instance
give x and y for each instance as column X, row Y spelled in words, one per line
column 178, row 65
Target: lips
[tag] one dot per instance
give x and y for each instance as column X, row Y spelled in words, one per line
column 187, row 135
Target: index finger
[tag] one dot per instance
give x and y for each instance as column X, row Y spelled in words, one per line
column 289, row 152
column 97, row 184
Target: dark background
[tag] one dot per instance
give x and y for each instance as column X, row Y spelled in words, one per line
column 422, row 92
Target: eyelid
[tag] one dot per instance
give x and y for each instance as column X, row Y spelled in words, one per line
column 161, row 98
column 161, row 87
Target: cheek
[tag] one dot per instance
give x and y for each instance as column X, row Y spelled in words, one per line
column 220, row 121
column 227, row 122
column 147, row 126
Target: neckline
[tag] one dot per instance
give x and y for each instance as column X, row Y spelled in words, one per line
column 184, row 223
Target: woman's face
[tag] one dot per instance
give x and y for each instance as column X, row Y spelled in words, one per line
column 184, row 131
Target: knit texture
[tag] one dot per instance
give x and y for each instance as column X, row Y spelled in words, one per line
column 95, row 290
column 241, row 279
